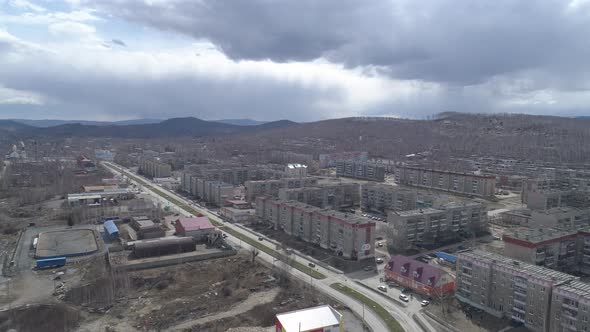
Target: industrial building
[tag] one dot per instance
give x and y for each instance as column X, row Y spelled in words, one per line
column 97, row 198
column 452, row 182
column 110, row 228
column 360, row 170
column 326, row 196
column 420, row 277
column 146, row 229
column 532, row 295
column 347, row 235
column 198, row 228
column 271, row 187
column 317, row 319
column 154, row 168
column 430, row 226
column 377, row 197
column 163, row 246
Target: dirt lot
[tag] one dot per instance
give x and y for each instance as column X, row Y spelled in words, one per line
column 206, row 296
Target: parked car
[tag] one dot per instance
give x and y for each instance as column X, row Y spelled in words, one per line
column 392, row 284
column 311, row 264
column 424, row 303
column 379, row 244
column 379, row 260
column 368, row 268
column 382, row 288
column 260, row 238
column 404, row 298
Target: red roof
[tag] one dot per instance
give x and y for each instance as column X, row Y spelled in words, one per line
column 195, row 223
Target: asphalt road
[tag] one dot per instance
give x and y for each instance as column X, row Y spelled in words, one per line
column 402, row 314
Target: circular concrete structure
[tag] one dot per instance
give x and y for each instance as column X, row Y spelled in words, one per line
column 66, row 243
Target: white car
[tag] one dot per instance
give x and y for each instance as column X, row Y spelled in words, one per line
column 379, row 260
column 424, row 303
column 382, row 288
column 404, row 298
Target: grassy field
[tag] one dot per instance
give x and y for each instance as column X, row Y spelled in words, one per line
column 253, row 242
column 385, row 316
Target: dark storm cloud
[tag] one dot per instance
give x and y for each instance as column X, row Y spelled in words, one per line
column 461, row 42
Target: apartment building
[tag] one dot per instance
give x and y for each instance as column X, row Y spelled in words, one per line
column 562, row 217
column 429, row 226
column 325, row 196
column 453, row 182
column 347, row 235
column 550, row 247
column 570, row 307
column 562, row 191
column 377, row 197
column 330, row 159
column 218, row 192
column 509, row 288
column 584, row 250
column 271, row 187
column 295, row 171
column 154, row 168
column 360, row 170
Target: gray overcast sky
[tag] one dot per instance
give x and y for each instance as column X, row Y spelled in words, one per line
column 302, row 60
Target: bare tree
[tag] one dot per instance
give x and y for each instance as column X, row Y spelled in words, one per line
column 254, row 253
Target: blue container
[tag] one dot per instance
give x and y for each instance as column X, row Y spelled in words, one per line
column 447, row 257
column 49, row 263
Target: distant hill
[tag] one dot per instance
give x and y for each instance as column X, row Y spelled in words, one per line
column 241, row 122
column 514, row 136
column 52, row 123
column 175, row 127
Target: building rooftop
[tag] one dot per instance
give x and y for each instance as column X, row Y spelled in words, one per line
column 293, row 166
column 195, row 223
column 447, row 172
column 538, row 235
column 576, row 287
column 310, row 319
column 417, row 212
column 512, row 264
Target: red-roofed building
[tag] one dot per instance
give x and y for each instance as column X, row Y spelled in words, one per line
column 197, row 227
column 420, row 277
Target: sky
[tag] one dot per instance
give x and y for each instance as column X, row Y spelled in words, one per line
column 301, row 60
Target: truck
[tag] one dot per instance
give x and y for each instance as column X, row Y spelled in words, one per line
column 49, row 263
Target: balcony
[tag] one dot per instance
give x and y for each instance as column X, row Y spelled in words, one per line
column 520, row 310
column 520, row 291
column 518, row 319
column 569, row 327
column 521, row 284
column 521, row 301
column 569, row 306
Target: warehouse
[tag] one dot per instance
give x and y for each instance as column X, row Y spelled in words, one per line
column 147, row 229
column 163, row 246
column 111, row 229
column 197, row 227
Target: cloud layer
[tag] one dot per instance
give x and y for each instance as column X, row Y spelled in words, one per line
column 302, row 60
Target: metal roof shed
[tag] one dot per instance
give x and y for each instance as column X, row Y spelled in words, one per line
column 311, row 319
column 111, row 228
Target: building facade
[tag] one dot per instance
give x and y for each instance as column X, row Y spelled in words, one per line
column 377, row 197
column 420, row 277
column 429, row 226
column 509, row 288
column 360, row 170
column 327, row 196
column 452, row 182
column 154, row 168
column 271, row 187
column 295, row 171
column 553, row 248
column 347, row 235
